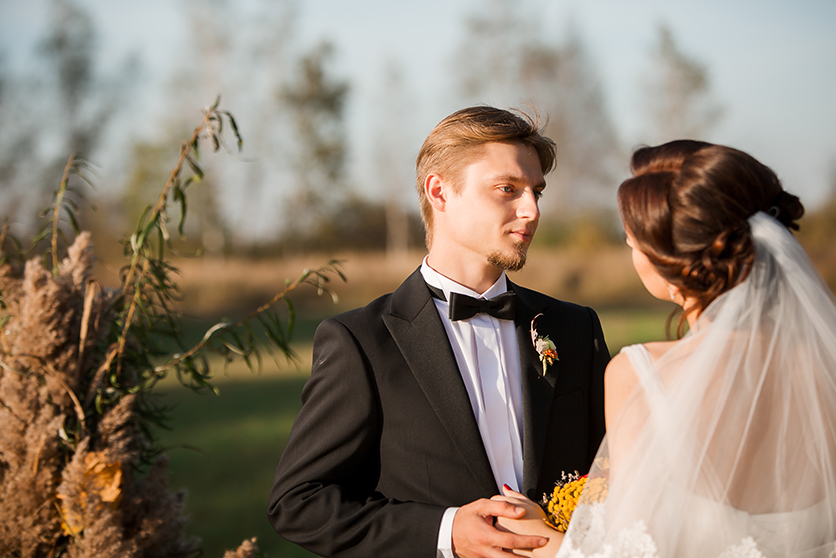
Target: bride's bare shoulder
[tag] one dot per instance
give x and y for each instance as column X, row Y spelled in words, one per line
column 619, row 381
column 620, row 378
column 620, row 374
column 658, row 348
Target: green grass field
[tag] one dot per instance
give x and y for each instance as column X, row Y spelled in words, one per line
column 224, row 449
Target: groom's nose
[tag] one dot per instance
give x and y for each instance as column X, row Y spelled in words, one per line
column 528, row 207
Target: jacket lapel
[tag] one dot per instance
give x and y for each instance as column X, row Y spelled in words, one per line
column 417, row 330
column 537, row 391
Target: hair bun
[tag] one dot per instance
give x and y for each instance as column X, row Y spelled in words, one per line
column 787, row 208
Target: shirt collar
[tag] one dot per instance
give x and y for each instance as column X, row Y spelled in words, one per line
column 447, row 285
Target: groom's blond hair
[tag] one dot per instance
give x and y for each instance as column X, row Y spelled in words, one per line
column 457, row 140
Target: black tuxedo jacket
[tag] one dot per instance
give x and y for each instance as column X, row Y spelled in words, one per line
column 386, row 439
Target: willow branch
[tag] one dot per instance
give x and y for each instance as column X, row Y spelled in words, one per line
column 185, row 149
column 59, row 197
column 226, row 325
column 129, row 320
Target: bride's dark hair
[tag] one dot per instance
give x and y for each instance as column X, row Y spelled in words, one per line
column 687, row 206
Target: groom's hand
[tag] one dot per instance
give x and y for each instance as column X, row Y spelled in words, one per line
column 474, row 534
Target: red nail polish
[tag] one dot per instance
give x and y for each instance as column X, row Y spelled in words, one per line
column 506, row 487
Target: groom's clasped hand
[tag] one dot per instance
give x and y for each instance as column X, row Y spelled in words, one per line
column 476, row 535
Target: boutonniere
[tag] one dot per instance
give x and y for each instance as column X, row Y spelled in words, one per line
column 545, row 347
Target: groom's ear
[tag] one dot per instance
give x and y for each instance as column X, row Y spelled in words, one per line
column 437, row 191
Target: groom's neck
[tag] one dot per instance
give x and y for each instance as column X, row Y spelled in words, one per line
column 469, row 271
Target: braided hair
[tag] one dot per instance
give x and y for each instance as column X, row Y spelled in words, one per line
column 688, row 204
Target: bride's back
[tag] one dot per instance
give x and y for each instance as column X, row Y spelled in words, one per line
column 759, row 428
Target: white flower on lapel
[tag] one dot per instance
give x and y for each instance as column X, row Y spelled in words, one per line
column 546, row 349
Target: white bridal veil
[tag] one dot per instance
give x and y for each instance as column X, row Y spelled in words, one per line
column 728, row 446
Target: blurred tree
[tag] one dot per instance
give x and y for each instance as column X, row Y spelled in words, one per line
column 818, row 229
column 242, row 53
column 564, row 82
column 69, row 48
column 64, row 106
column 149, row 163
column 678, row 93
column 316, row 101
column 487, row 61
column 265, row 71
column 17, row 152
column 503, row 59
column 394, row 158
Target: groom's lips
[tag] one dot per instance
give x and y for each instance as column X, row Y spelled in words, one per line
column 523, row 235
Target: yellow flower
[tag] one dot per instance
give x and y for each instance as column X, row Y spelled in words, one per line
column 567, row 493
column 595, row 490
column 563, row 500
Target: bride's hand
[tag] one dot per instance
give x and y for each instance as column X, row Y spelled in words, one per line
column 532, row 523
column 532, row 510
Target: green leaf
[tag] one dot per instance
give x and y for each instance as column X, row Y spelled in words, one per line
column 140, row 240
column 291, row 319
column 143, row 215
column 69, row 202
column 98, row 402
column 75, row 191
column 234, row 349
column 180, row 196
column 74, row 222
column 195, row 168
column 234, row 129
column 42, row 233
column 162, row 239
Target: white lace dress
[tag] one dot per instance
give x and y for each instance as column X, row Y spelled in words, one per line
column 663, row 519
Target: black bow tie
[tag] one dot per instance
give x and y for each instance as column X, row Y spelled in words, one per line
column 463, row 307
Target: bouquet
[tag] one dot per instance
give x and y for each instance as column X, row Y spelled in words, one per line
column 561, row 503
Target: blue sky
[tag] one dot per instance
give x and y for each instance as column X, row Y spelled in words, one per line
column 772, row 63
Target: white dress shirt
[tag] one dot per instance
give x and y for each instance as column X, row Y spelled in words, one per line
column 487, row 354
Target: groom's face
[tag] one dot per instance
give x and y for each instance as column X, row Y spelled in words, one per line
column 495, row 212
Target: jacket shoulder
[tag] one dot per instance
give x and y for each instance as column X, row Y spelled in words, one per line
column 407, row 301
column 546, row 303
column 364, row 316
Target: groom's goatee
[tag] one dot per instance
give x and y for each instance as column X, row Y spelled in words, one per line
column 514, row 262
